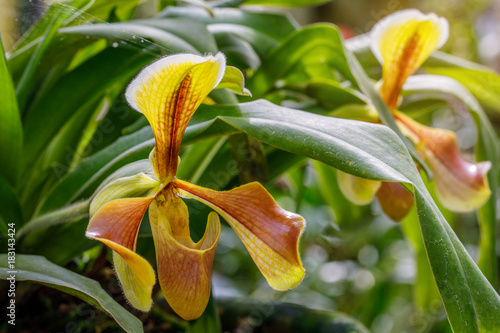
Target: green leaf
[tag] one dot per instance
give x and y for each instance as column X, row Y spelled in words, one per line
column 135, row 34
column 59, row 52
column 287, row 3
column 59, row 152
column 89, row 130
column 68, row 236
column 356, row 112
column 424, row 289
column 191, row 31
column 39, row 270
column 11, row 135
column 10, row 209
column 260, row 41
column 470, row 301
column 276, row 26
column 440, row 59
column 235, row 81
column 487, row 149
column 331, row 95
column 263, row 31
column 322, row 41
column 101, row 9
column 483, row 84
column 239, row 53
column 363, row 149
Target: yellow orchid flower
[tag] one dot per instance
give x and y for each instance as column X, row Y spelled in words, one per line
column 168, row 92
column 402, row 42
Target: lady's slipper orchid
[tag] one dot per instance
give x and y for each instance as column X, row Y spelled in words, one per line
column 402, row 42
column 168, row 92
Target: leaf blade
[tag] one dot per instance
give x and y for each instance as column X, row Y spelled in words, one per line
column 11, row 136
column 39, row 270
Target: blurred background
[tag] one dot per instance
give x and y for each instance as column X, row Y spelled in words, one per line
column 363, row 265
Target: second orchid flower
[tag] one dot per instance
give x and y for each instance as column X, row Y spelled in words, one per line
column 401, row 42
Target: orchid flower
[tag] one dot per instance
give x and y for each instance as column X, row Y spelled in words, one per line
column 168, row 92
column 402, row 42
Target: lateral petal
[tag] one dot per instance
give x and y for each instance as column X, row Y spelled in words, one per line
column 135, row 274
column 168, row 92
column 402, row 42
column 116, row 224
column 461, row 185
column 270, row 233
column 359, row 191
column 184, row 272
column 118, row 221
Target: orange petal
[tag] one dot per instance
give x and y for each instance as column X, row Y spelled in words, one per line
column 359, row 191
column 168, row 92
column 183, row 271
column 270, row 233
column 461, row 185
column 395, row 200
column 119, row 221
column 402, row 42
column 116, row 224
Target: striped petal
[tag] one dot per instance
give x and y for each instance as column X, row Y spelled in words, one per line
column 184, row 268
column 395, row 200
column 168, row 92
column 461, row 185
column 402, row 42
column 359, row 191
column 116, row 224
column 270, row 233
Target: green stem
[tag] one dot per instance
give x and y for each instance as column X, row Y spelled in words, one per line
column 70, row 213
